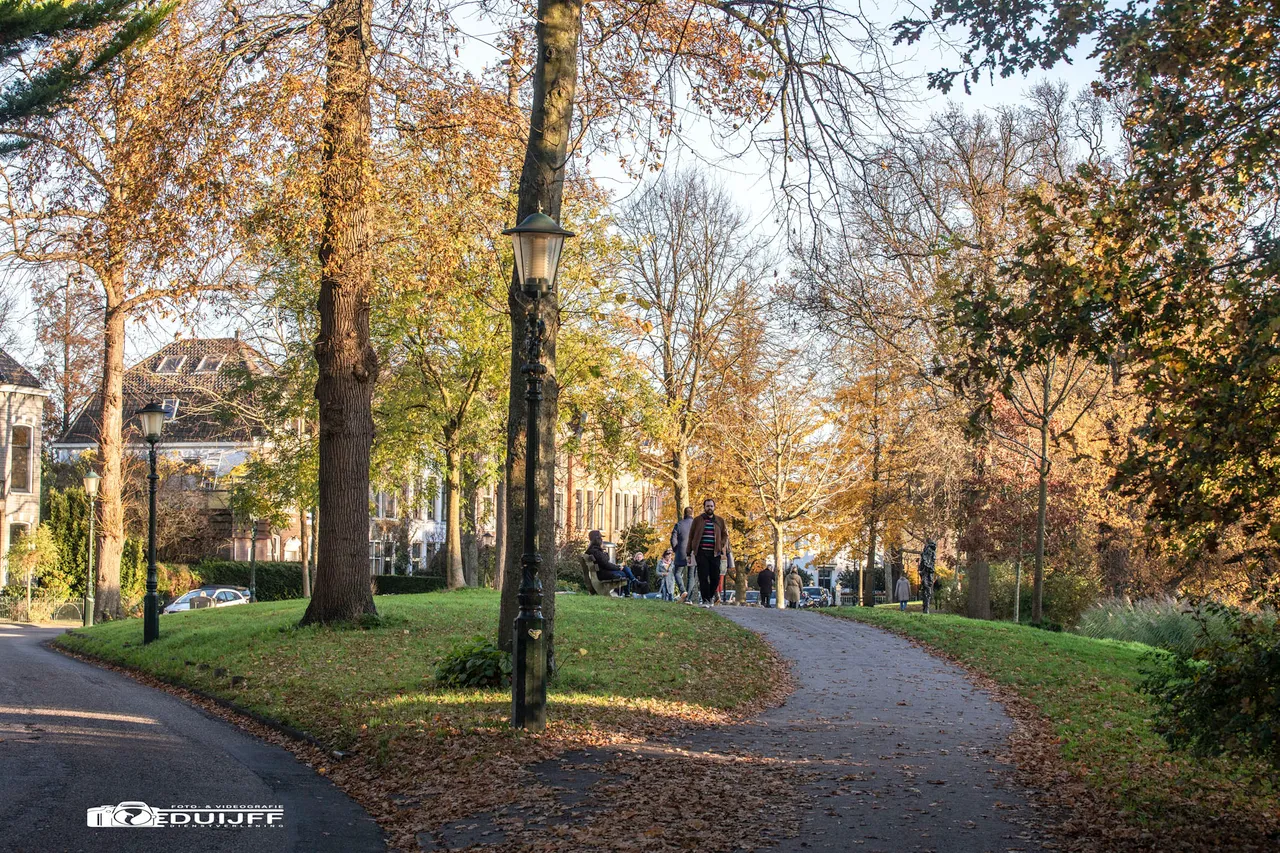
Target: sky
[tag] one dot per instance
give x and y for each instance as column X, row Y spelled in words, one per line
column 746, row 177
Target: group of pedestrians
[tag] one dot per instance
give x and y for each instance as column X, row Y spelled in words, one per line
column 700, row 550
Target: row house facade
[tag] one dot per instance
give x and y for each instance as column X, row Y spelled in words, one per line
column 22, row 402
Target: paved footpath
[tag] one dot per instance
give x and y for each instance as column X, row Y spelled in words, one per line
column 901, row 745
column 896, row 750
column 73, row 736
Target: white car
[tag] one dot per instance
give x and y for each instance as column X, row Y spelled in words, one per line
column 212, row 595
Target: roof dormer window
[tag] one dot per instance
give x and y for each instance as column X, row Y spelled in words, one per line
column 209, row 364
column 170, row 364
column 170, row 409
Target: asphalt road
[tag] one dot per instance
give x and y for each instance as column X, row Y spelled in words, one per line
column 74, row 737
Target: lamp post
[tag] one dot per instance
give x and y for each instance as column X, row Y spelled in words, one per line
column 537, row 242
column 91, row 491
column 152, row 417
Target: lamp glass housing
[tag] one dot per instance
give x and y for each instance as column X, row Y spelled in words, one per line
column 152, row 417
column 538, row 242
column 91, row 484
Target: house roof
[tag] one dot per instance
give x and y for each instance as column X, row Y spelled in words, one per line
column 197, row 376
column 12, row 373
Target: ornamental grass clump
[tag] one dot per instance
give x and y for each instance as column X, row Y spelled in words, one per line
column 1164, row 623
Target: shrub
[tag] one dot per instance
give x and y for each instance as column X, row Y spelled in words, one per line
column 405, row 585
column 275, row 581
column 1161, row 622
column 1226, row 698
column 568, row 557
column 475, row 663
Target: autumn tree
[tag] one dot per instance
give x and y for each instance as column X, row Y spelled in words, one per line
column 135, row 183
column 1171, row 261
column 690, row 263
column 67, row 308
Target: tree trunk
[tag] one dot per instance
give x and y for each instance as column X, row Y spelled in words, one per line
column 111, row 450
column 348, row 366
column 315, row 533
column 555, row 82
column 471, row 532
column 500, row 532
column 453, row 520
column 1037, row 594
column 779, row 571
column 869, row 575
column 305, row 536
column 680, row 481
column 978, row 604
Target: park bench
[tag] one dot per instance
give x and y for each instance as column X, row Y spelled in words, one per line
column 595, row 586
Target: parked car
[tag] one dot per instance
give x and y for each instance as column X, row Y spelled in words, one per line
column 816, row 596
column 753, row 596
column 210, row 595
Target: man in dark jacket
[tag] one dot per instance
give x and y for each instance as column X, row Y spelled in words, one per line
column 680, row 546
column 765, row 580
column 708, row 540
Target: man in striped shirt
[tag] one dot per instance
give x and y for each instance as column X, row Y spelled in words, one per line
column 708, row 541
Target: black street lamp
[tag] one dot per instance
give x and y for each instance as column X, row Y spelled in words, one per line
column 537, row 242
column 152, row 417
column 91, row 491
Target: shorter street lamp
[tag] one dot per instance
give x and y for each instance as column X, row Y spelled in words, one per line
column 152, row 417
column 91, row 491
column 538, row 241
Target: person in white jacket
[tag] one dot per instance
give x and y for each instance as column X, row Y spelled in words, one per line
column 902, row 592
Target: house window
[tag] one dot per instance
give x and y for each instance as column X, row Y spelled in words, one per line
column 432, row 493
column 653, row 509
column 577, row 509
column 559, row 510
column 488, row 508
column 635, row 508
column 16, row 532
column 170, row 364
column 20, row 459
column 626, row 509
column 170, row 407
column 209, row 364
column 591, row 509
column 617, row 510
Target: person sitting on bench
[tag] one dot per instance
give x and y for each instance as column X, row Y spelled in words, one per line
column 606, row 570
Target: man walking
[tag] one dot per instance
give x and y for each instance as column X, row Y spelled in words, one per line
column 680, row 544
column 764, row 580
column 706, row 546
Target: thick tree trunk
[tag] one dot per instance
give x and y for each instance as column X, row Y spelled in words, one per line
column 453, row 520
column 111, row 452
column 348, row 365
column 555, row 82
column 471, row 531
column 978, row 603
column 500, row 532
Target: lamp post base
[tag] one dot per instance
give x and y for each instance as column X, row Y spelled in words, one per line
column 529, row 673
column 150, row 618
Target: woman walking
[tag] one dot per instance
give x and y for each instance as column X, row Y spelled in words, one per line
column 793, row 587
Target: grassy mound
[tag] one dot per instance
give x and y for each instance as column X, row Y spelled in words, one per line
column 620, row 663
column 1088, row 691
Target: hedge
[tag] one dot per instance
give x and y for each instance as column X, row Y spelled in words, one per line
column 406, row 585
column 275, row 581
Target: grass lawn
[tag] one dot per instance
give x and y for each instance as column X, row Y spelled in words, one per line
column 623, row 663
column 1087, row 690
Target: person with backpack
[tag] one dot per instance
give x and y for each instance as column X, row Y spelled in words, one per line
column 679, row 544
